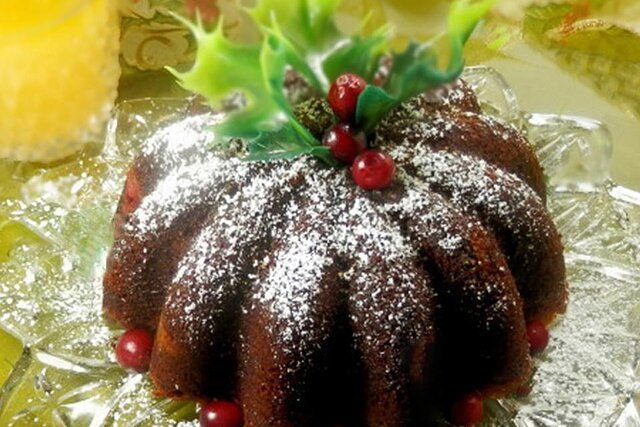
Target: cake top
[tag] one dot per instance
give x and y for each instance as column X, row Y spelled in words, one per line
column 360, row 75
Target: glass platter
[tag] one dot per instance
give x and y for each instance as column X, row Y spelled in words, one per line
column 50, row 280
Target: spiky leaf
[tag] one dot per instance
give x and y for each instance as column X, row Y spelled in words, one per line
column 373, row 105
column 308, row 24
column 222, row 68
column 416, row 70
column 359, row 55
column 290, row 141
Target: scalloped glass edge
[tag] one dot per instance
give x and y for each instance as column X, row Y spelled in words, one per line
column 50, row 285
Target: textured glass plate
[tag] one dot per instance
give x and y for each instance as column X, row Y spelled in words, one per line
column 50, row 283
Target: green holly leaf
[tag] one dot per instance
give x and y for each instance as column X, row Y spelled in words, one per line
column 313, row 45
column 308, row 24
column 289, row 141
column 464, row 16
column 295, row 56
column 374, row 104
column 223, row 68
column 359, row 55
column 416, row 70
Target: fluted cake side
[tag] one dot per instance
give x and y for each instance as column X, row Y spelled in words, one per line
column 284, row 286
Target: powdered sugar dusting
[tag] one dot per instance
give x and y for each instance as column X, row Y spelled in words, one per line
column 176, row 194
column 473, row 184
column 291, row 290
column 287, row 235
column 174, row 141
column 444, row 229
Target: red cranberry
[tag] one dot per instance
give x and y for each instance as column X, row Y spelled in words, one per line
column 219, row 413
column 373, row 170
column 524, row 390
column 538, row 335
column 118, row 222
column 343, row 95
column 133, row 350
column 467, row 411
column 345, row 143
column 132, row 193
column 207, row 9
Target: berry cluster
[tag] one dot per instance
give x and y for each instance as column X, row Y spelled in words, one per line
column 371, row 169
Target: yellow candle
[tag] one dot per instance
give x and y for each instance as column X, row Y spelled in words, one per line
column 58, row 74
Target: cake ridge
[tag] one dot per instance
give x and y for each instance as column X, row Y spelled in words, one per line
column 512, row 210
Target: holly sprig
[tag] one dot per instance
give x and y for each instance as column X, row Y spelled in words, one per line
column 303, row 34
column 415, row 70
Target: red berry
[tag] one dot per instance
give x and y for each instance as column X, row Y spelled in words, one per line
column 524, row 390
column 373, row 170
column 538, row 335
column 220, row 413
column 206, row 8
column 132, row 193
column 343, row 95
column 118, row 222
column 133, row 350
column 345, row 143
column 468, row 410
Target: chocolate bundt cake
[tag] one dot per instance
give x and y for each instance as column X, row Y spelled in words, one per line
column 284, row 286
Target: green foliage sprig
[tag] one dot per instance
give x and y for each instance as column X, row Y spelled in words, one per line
column 415, row 70
column 302, row 34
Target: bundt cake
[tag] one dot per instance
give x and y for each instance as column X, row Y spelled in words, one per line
column 250, row 268
column 285, row 287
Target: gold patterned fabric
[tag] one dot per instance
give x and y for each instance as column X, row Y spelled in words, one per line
column 152, row 38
